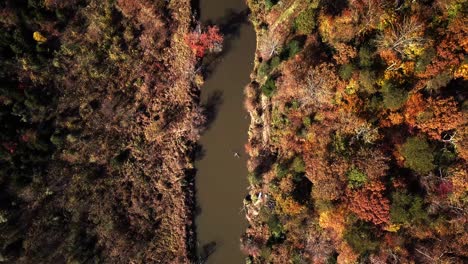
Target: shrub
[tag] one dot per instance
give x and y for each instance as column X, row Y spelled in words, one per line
column 253, row 178
column 365, row 57
column 367, row 81
column 269, row 88
column 276, row 229
column 424, row 60
column 281, row 170
column 406, row 209
column 275, row 62
column 57, row 140
column 291, row 49
column 445, row 158
column 305, row 22
column 264, row 69
column 339, row 144
column 3, row 217
column 356, row 178
column 307, row 121
column 270, row 3
column 418, row 155
column 297, row 258
column 295, row 104
column 298, row 165
column 332, row 259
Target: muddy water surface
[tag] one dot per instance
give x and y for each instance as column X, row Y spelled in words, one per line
column 221, row 177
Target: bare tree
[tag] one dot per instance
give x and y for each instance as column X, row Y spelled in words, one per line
column 370, row 14
column 319, row 86
column 401, row 35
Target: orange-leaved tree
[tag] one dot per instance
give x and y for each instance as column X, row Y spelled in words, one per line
column 433, row 116
column 369, row 203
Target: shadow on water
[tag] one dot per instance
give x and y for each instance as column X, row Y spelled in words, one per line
column 207, row 250
column 211, row 107
column 198, row 152
column 195, row 5
column 229, row 26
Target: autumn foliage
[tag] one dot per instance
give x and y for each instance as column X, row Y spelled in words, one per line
column 433, row 115
column 202, row 42
column 370, row 204
column 374, row 102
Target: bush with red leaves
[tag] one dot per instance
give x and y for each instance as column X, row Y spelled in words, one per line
column 445, row 188
column 10, row 147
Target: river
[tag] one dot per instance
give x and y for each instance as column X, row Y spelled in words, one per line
column 222, row 176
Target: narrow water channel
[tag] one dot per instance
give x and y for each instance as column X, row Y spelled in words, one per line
column 222, row 175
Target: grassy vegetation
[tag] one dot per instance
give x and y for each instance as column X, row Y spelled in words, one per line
column 305, row 22
column 87, row 129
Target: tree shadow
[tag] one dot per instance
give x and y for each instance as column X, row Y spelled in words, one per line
column 211, row 107
column 198, row 152
column 268, row 159
column 195, row 4
column 230, row 26
column 335, row 7
column 206, row 251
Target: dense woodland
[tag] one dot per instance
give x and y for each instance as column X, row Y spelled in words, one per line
column 358, row 142
column 99, row 117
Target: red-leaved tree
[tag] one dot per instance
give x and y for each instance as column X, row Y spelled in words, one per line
column 200, row 42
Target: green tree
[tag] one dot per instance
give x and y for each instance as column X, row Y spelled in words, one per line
column 407, row 209
column 366, row 56
column 346, row 71
column 419, row 156
column 393, row 97
column 270, row 3
column 291, row 49
column 356, row 178
column 361, row 238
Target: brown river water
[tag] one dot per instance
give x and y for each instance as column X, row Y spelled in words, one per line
column 222, row 175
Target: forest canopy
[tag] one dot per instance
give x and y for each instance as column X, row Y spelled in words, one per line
column 373, row 100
